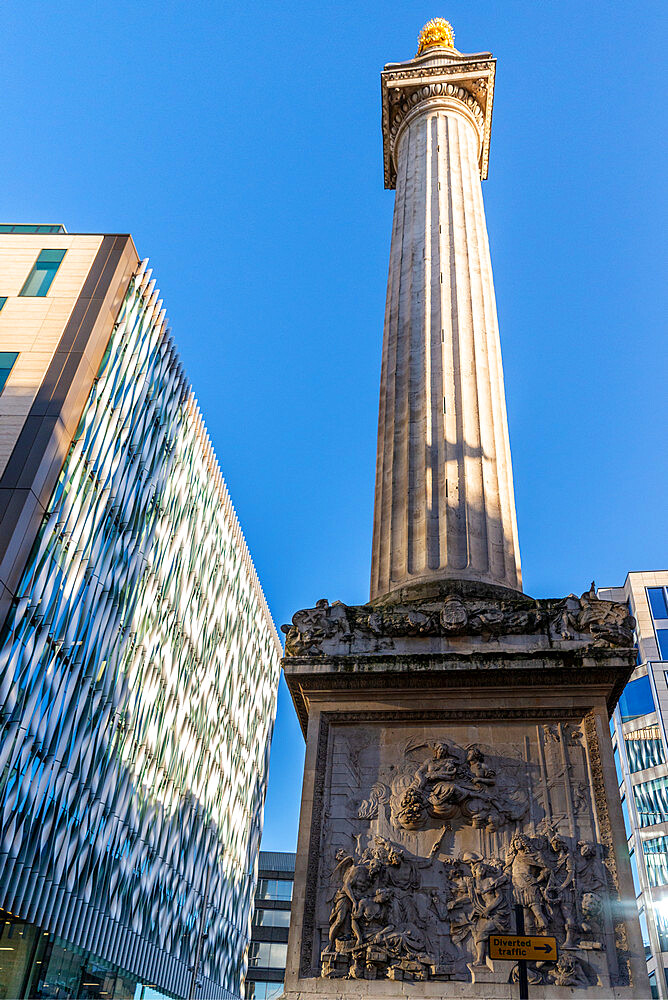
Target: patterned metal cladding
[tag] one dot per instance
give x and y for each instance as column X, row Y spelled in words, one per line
column 138, row 677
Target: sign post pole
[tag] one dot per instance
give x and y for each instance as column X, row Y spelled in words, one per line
column 521, row 964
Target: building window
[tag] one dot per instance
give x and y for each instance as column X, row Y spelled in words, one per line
column 656, row 860
column 274, row 888
column 644, row 930
column 39, row 280
column 634, row 872
column 651, row 798
column 268, row 954
column 618, row 766
column 3, row 299
column 644, row 748
column 657, row 602
column 7, row 362
column 654, row 989
column 271, row 918
column 22, row 228
column 260, row 990
column 662, row 639
column 636, row 699
column 625, row 814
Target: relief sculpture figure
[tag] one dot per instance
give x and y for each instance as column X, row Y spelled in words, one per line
column 560, row 889
column 591, row 881
column 453, row 782
column 491, row 906
column 529, row 874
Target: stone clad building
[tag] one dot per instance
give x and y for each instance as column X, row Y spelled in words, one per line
column 459, row 781
column 138, row 659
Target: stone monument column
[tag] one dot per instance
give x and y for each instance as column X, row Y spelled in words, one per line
column 444, row 492
column 459, row 767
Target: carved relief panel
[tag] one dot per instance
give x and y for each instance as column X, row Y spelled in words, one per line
column 430, row 835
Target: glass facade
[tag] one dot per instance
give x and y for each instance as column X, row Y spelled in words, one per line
column 638, row 729
column 267, row 954
column 138, row 676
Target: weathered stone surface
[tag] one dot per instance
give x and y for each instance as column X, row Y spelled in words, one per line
column 449, row 615
column 431, row 809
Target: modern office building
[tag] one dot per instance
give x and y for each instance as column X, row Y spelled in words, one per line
column 271, row 921
column 638, row 729
column 138, row 659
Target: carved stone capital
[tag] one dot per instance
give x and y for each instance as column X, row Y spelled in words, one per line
column 453, row 81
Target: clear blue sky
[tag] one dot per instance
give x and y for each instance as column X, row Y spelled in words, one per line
column 240, row 144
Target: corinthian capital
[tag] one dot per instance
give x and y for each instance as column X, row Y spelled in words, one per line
column 440, row 77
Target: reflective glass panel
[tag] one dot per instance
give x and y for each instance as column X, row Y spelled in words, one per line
column 657, row 602
column 661, row 927
column 272, row 918
column 636, row 699
column 651, row 799
column 39, row 280
column 274, row 888
column 262, row 990
column 644, row 748
column 645, row 933
column 22, row 228
column 625, row 814
column 634, row 872
column 654, row 989
column 662, row 639
column 618, row 766
column 7, row 362
column 268, row 954
column 656, row 860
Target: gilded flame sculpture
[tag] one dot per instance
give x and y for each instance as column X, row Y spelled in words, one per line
column 439, row 32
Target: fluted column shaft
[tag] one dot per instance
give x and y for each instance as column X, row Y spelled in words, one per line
column 444, row 504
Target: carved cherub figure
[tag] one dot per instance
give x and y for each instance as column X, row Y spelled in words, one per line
column 482, row 776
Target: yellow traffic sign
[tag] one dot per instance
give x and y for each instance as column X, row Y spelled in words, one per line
column 514, row 946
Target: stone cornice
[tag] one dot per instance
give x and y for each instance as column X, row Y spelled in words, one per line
column 464, row 83
column 606, row 670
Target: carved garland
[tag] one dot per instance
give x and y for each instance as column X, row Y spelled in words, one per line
column 308, row 922
column 605, row 826
column 427, row 92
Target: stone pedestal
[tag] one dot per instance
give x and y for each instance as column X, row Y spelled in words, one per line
column 459, row 762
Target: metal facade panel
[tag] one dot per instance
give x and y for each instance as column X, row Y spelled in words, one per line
column 138, row 676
